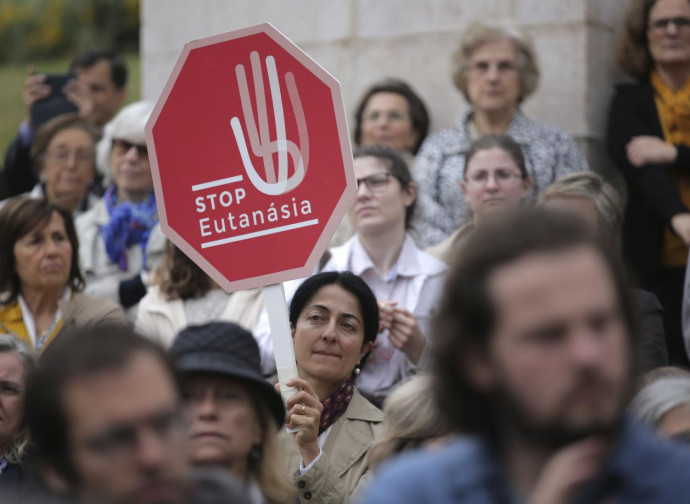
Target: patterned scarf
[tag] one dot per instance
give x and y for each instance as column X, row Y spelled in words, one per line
column 130, row 224
column 674, row 110
column 335, row 405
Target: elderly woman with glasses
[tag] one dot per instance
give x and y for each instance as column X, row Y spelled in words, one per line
column 649, row 140
column 406, row 280
column 64, row 158
column 118, row 245
column 495, row 68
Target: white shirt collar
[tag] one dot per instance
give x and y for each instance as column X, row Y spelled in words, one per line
column 407, row 264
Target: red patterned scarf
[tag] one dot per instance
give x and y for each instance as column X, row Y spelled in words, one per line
column 335, row 405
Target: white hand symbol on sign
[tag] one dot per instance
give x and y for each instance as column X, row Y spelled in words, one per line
column 260, row 141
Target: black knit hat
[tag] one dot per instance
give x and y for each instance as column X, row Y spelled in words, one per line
column 227, row 349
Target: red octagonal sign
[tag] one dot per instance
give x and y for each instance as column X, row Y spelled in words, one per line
column 250, row 157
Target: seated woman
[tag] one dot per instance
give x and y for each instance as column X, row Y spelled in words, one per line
column 115, row 250
column 495, row 68
column 64, row 156
column 16, row 362
column 411, row 419
column 495, row 180
column 390, row 113
column 406, row 280
column 664, row 405
column 648, row 139
column 184, row 295
column 234, row 413
column 334, row 318
column 40, row 281
column 595, row 200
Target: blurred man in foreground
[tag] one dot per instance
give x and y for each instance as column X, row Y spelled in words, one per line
column 104, row 412
column 536, row 357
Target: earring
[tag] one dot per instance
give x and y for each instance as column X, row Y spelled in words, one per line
column 357, row 370
column 255, row 452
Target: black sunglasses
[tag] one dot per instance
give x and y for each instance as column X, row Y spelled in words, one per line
column 123, row 146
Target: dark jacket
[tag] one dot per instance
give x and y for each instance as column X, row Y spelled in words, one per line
column 653, row 349
column 17, row 172
column 652, row 196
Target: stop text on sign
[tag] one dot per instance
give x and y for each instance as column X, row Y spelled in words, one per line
column 220, row 203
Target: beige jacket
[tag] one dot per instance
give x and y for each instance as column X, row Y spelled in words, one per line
column 83, row 310
column 344, row 459
column 161, row 319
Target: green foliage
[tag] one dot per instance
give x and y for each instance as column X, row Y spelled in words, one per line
column 33, row 29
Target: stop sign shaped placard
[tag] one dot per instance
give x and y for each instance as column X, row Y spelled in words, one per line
column 250, row 157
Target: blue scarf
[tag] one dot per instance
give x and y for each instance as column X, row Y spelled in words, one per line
column 129, row 224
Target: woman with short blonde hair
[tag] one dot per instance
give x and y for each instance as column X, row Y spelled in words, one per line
column 479, row 34
column 410, row 419
column 592, row 187
column 495, row 67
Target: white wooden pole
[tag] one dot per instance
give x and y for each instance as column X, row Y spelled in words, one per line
column 281, row 335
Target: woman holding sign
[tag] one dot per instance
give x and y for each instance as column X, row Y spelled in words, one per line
column 334, row 318
column 406, row 280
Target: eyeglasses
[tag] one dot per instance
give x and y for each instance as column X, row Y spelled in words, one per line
column 121, row 440
column 391, row 115
column 661, row 25
column 10, row 389
column 63, row 156
column 501, row 177
column 123, row 146
column 502, row 67
column 376, row 182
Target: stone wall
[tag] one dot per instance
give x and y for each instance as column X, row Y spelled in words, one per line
column 359, row 41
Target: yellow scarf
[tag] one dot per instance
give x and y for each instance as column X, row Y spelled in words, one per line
column 673, row 108
column 12, row 322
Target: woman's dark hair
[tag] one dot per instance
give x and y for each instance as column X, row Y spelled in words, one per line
column 180, row 277
column 467, row 315
column 88, row 58
column 503, row 142
column 19, row 217
column 397, row 167
column 418, row 111
column 47, row 132
column 351, row 283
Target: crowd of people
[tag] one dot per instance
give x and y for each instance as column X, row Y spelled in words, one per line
column 493, row 322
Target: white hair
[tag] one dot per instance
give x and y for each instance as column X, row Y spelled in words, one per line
column 129, row 124
column 659, row 397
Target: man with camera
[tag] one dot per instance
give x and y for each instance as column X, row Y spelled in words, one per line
column 95, row 88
